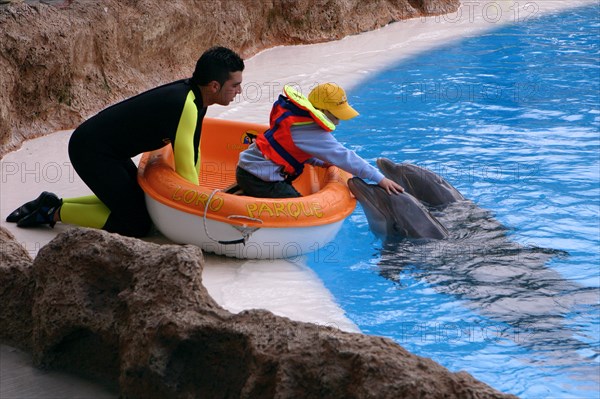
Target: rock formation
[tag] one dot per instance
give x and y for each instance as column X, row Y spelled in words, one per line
column 16, row 292
column 136, row 314
column 62, row 61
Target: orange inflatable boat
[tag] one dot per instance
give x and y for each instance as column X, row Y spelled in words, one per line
column 218, row 219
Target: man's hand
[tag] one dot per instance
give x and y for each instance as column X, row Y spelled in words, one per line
column 391, row 186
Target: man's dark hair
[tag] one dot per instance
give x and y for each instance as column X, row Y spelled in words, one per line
column 215, row 64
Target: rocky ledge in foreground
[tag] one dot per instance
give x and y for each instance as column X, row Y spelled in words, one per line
column 136, row 314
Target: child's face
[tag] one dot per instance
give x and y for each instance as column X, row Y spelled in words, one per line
column 332, row 117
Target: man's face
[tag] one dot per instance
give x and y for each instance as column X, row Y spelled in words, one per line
column 231, row 88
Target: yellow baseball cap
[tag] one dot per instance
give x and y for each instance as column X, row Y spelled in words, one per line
column 331, row 97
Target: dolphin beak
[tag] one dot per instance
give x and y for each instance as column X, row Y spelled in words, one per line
column 386, row 167
column 366, row 193
column 358, row 188
column 382, row 162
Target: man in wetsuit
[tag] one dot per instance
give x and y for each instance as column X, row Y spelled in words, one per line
column 101, row 148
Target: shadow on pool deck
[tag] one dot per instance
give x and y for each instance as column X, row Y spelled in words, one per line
column 20, row 379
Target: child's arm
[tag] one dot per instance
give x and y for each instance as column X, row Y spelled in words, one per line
column 326, row 148
column 317, row 162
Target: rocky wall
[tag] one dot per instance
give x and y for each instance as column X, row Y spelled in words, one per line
column 63, row 60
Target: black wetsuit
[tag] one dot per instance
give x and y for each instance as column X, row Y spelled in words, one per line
column 102, row 147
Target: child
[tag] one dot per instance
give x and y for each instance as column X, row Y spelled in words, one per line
column 299, row 133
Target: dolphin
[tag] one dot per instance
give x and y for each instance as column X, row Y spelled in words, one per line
column 477, row 263
column 509, row 283
column 421, row 183
column 393, row 217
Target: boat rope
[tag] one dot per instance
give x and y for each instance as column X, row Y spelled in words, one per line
column 244, row 217
column 246, row 232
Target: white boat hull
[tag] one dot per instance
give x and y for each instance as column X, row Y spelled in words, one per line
column 264, row 243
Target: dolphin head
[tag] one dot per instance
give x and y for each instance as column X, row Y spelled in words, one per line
column 421, row 183
column 374, row 204
column 394, row 217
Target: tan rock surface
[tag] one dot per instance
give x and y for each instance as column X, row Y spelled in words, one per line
column 62, row 61
column 136, row 314
column 16, row 292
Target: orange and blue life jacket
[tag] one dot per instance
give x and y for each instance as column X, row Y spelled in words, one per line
column 277, row 144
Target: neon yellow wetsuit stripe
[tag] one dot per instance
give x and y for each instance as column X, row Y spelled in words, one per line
column 182, row 149
column 86, row 211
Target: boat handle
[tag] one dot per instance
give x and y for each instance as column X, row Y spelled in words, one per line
column 245, row 236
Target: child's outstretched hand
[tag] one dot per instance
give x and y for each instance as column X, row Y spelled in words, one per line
column 391, row 186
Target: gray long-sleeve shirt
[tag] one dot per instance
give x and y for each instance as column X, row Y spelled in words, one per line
column 317, row 142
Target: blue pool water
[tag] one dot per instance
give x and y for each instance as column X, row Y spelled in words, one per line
column 512, row 119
